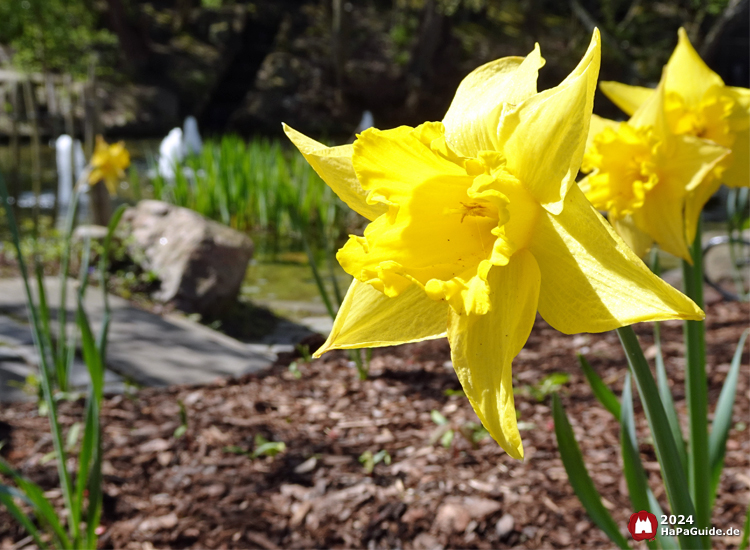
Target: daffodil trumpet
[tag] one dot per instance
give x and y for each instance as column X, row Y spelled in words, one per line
column 476, row 223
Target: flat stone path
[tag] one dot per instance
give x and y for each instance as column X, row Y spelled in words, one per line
column 145, row 348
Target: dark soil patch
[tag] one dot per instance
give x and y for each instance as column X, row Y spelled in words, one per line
column 201, row 491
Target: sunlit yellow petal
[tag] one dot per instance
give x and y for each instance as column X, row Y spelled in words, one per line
column 367, row 318
column 628, row 98
column 591, row 280
column 688, row 162
column 686, row 181
column 472, row 119
column 544, row 137
column 483, row 347
column 334, row 166
column 598, row 125
column 695, row 200
column 639, row 241
column 651, row 113
column 738, row 172
column 687, row 74
column 662, row 217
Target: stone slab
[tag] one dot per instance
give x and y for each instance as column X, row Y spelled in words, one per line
column 143, row 347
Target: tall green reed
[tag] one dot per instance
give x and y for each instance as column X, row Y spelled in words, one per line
column 258, row 187
column 82, row 492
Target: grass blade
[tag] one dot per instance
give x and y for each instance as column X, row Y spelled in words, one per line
column 6, row 498
column 666, row 449
column 36, row 332
column 600, row 389
column 745, row 531
column 717, row 441
column 103, row 265
column 579, row 476
column 34, row 495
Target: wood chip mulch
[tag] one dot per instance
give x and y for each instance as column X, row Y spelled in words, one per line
column 205, row 490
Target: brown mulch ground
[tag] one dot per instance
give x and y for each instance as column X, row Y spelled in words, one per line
column 196, row 491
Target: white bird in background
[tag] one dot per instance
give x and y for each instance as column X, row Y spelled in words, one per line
column 170, row 153
column 70, row 163
column 367, row 121
column 191, row 138
column 177, row 145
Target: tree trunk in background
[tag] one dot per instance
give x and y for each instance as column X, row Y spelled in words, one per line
column 338, row 45
column 732, row 17
column 182, row 15
column 430, row 34
column 133, row 41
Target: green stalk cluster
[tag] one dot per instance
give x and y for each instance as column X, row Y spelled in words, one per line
column 82, row 492
column 690, row 467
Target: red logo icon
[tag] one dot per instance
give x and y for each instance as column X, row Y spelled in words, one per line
column 643, row 526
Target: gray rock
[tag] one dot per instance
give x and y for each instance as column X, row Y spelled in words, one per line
column 200, row 263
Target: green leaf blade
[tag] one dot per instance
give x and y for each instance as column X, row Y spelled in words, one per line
column 717, row 441
column 579, row 477
column 605, row 396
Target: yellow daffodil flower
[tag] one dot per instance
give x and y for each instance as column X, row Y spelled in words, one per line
column 476, row 223
column 652, row 182
column 108, row 163
column 697, row 103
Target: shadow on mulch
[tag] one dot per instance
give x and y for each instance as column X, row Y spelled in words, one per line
column 204, row 489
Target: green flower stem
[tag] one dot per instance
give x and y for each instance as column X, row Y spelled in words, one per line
column 696, row 389
column 666, row 450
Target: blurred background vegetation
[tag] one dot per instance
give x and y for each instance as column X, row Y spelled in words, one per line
column 244, row 66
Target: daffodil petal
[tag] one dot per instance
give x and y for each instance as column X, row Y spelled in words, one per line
column 472, row 118
column 690, row 161
column 638, row 240
column 545, row 136
column 661, row 216
column 591, row 280
column 740, row 118
column 694, row 203
column 626, row 97
column 687, row 73
column 738, row 172
column 598, row 125
column 111, row 183
column 651, row 113
column 368, row 318
column 95, row 175
column 334, row 166
column 483, row 347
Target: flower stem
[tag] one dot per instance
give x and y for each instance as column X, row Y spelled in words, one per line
column 696, row 388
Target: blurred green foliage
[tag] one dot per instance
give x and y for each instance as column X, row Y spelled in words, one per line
column 257, row 186
column 53, row 35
